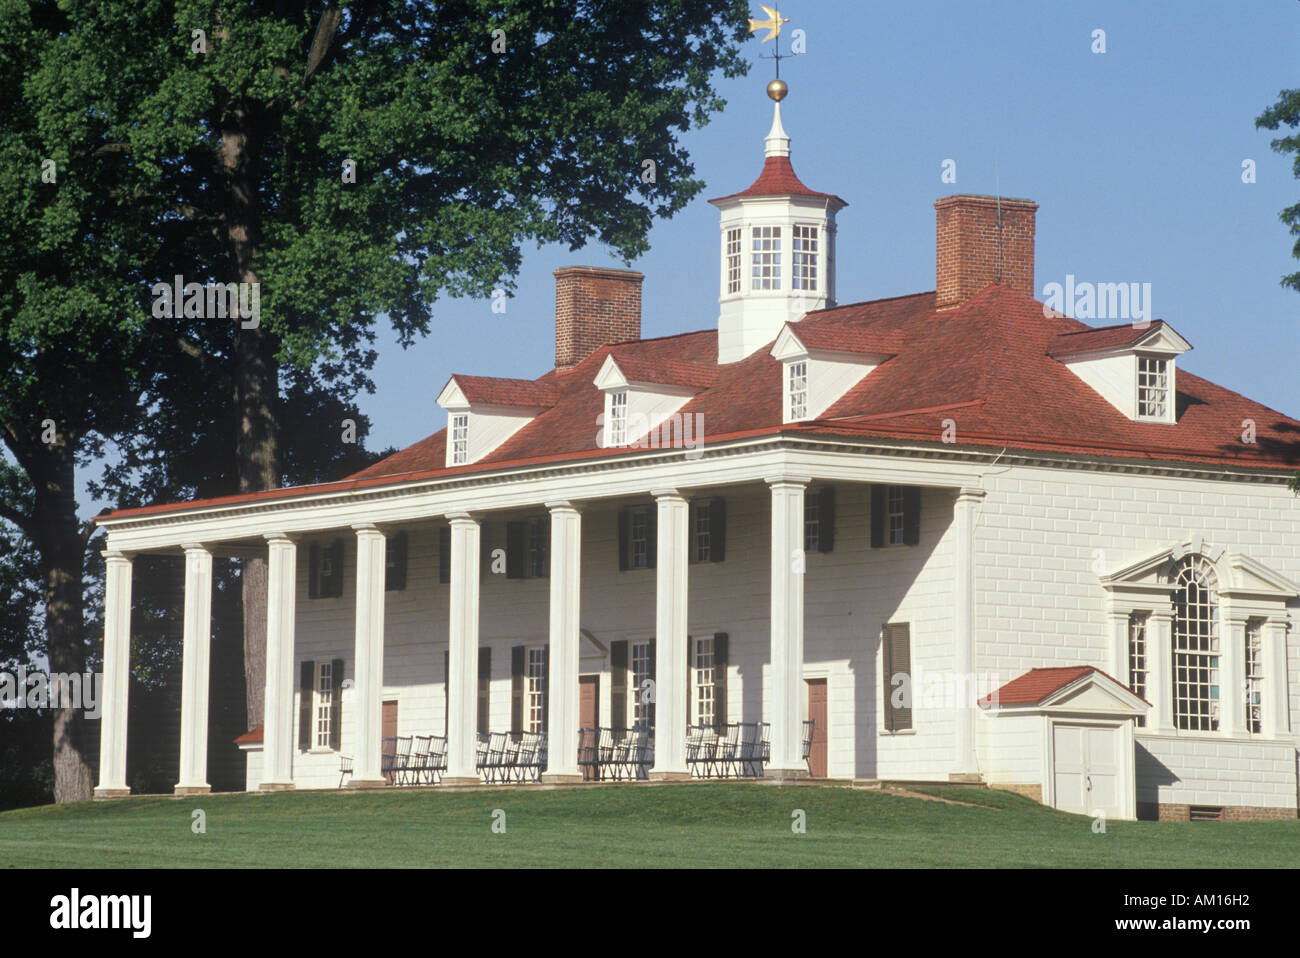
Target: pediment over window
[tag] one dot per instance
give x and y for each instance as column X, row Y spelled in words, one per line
column 485, row 411
column 640, row 396
column 1239, row 576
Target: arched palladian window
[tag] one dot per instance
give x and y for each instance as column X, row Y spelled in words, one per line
column 1196, row 646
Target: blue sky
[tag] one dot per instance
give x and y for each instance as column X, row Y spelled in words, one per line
column 1134, row 157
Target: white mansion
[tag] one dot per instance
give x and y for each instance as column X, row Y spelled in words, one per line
column 973, row 540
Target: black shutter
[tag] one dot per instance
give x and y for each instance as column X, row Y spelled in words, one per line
column 624, row 540
column 618, row 686
column 313, row 571
column 516, row 546
column 911, row 515
column 444, row 555
column 484, row 687
column 395, row 563
column 446, row 693
column 544, row 546
column 306, row 686
column 896, row 646
column 334, row 588
column 879, row 504
column 336, row 707
column 717, row 529
column 826, row 519
column 652, row 536
column 518, row 657
column 720, row 680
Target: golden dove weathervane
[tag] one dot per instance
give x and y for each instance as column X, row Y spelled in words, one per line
column 777, row 89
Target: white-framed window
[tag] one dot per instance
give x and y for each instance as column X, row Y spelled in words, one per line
column 704, row 681
column 535, row 693
column 1153, row 388
column 803, row 258
column 796, row 390
column 323, row 705
column 459, row 438
column 733, row 261
column 643, row 707
column 1254, row 677
column 1196, row 646
column 765, row 258
column 895, row 517
column 702, row 531
column 1137, row 656
column 638, row 537
column 616, row 419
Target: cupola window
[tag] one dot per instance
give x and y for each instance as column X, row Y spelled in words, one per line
column 767, row 257
column 804, row 258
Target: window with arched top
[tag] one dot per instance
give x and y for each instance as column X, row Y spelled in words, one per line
column 1196, row 646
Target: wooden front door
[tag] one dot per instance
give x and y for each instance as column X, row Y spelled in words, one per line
column 588, row 701
column 817, row 712
column 388, row 725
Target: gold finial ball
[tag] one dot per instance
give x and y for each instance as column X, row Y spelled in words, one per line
column 777, row 90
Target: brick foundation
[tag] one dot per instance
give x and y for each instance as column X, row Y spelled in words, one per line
column 1034, row 792
column 1174, row 812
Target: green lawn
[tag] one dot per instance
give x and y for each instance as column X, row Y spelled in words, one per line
column 698, row 825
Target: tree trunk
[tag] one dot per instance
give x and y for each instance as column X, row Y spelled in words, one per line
column 63, row 555
column 255, row 376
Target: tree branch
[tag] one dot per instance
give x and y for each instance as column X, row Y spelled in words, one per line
column 23, row 522
column 326, row 27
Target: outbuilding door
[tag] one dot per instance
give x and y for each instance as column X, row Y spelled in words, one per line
column 1086, row 769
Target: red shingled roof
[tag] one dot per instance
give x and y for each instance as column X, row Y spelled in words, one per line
column 1104, row 337
column 1038, row 684
column 984, row 365
column 506, row 392
column 778, row 179
column 668, row 372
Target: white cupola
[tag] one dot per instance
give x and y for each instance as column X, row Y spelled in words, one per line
column 777, row 249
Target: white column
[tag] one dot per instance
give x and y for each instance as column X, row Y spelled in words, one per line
column 277, row 723
column 1160, row 682
column 1232, row 672
column 117, row 676
column 369, row 670
column 964, row 512
column 787, row 569
column 196, row 647
column 1275, row 718
column 562, row 692
column 670, row 636
column 462, row 701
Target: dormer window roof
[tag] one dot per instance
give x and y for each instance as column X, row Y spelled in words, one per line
column 1132, row 367
column 485, row 411
column 819, row 366
column 641, row 395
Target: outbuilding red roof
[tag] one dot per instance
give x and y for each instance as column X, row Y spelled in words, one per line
column 252, row 737
column 1039, row 684
column 1104, row 337
column 983, row 366
column 496, row 391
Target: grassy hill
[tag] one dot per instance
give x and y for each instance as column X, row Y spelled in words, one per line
column 698, row 825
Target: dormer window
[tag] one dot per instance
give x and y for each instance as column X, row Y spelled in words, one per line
column 804, row 258
column 1153, row 388
column 766, row 262
column 616, row 417
column 459, row 438
column 797, row 390
column 733, row 261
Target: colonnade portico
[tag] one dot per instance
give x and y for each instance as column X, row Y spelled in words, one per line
column 784, row 707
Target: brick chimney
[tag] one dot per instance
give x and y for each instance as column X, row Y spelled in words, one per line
column 594, row 307
column 973, row 252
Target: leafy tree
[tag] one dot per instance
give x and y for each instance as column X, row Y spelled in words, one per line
column 355, row 160
column 1286, row 112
